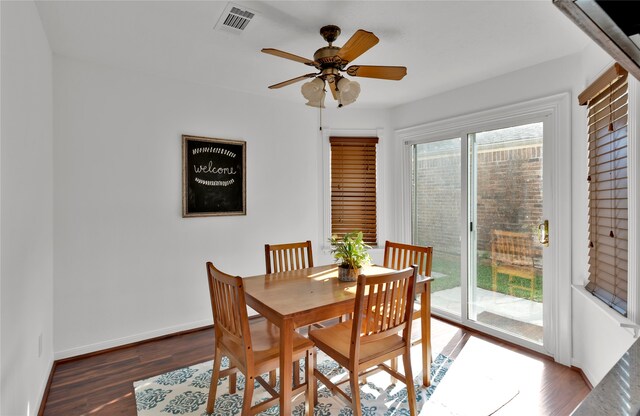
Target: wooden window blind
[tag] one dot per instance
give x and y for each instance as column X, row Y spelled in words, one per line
column 353, row 187
column 606, row 100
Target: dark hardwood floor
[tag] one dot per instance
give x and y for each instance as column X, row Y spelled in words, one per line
column 102, row 384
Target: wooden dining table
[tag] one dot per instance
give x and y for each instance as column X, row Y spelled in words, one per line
column 299, row 298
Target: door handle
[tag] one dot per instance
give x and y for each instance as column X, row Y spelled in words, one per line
column 543, row 233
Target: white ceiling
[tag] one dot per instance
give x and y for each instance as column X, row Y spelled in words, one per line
column 444, row 44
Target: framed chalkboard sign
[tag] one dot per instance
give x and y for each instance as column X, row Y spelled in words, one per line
column 213, row 177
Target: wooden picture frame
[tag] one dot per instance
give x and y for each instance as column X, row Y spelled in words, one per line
column 213, row 177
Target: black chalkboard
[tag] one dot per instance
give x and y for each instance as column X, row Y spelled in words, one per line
column 213, row 177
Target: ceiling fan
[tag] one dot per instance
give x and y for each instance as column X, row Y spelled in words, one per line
column 331, row 61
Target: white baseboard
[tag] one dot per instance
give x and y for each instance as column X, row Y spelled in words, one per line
column 587, row 373
column 86, row 349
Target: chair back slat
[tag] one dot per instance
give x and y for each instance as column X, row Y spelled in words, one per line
column 400, row 256
column 383, row 306
column 229, row 307
column 290, row 256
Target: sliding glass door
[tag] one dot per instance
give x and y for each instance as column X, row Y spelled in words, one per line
column 506, row 210
column 477, row 198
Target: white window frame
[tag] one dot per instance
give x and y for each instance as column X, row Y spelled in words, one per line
column 558, row 110
column 325, row 188
column 633, row 166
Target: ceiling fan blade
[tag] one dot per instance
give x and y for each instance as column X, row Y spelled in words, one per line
column 334, row 92
column 287, row 55
column 359, row 43
column 395, row 73
column 291, row 81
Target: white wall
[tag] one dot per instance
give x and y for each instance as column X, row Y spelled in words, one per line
column 127, row 265
column 26, row 210
column 595, row 354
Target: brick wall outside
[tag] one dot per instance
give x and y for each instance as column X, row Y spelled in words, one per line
column 437, row 204
column 509, row 189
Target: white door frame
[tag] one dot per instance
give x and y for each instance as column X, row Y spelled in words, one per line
column 555, row 111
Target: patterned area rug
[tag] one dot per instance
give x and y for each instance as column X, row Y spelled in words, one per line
column 185, row 391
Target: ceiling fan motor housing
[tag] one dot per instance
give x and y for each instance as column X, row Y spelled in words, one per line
column 327, row 57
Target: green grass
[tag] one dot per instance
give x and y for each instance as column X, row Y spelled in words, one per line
column 450, row 267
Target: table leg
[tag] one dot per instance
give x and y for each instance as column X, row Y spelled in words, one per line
column 286, row 366
column 425, row 320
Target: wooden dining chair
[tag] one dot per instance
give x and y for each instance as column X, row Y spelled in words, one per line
column 379, row 331
column 252, row 347
column 285, row 257
column 290, row 256
column 398, row 256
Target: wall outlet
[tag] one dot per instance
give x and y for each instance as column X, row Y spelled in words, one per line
column 40, row 345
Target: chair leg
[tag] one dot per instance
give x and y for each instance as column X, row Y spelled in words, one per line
column 533, row 285
column 510, row 285
column 232, row 383
column 394, row 366
column 296, row 373
column 313, row 379
column 272, row 378
column 355, row 393
column 408, row 378
column 248, row 395
column 311, row 384
column 363, row 380
column 217, row 360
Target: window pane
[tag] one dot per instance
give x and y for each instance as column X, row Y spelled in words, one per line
column 436, row 216
column 353, row 187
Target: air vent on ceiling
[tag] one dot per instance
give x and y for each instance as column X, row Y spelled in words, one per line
column 235, row 18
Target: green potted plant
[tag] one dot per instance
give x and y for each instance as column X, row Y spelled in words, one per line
column 350, row 252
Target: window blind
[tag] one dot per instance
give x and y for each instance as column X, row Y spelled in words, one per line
column 606, row 100
column 353, row 187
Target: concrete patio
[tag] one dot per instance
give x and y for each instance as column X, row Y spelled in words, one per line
column 522, row 317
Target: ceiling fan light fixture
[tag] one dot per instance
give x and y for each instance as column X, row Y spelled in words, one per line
column 318, row 104
column 314, row 92
column 348, row 91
